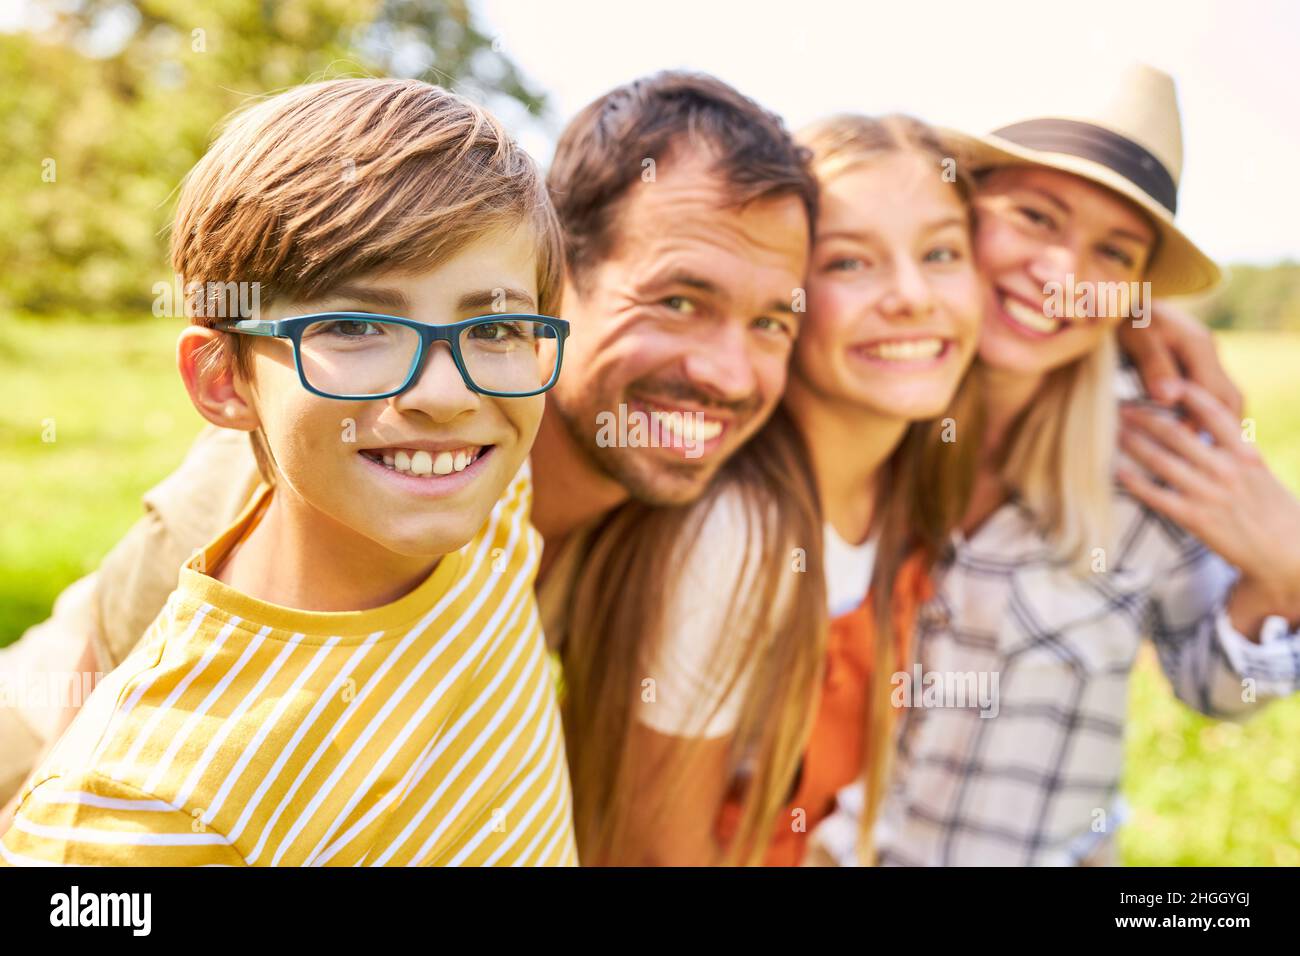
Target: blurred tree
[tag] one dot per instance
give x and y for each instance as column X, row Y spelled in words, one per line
column 1266, row 298
column 107, row 103
column 1258, row 298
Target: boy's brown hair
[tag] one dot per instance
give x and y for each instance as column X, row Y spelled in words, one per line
column 329, row 181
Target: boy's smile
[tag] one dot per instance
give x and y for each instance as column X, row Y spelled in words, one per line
column 409, row 477
column 430, row 469
column 426, row 461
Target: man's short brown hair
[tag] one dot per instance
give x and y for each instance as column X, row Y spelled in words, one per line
column 602, row 152
column 329, row 181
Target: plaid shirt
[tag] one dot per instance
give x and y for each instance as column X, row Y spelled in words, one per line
column 1037, row 783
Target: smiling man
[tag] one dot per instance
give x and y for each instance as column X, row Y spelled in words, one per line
column 688, row 313
column 686, row 212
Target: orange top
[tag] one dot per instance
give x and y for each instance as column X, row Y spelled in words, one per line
column 833, row 756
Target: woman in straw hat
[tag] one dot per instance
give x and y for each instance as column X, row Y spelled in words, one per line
column 1058, row 571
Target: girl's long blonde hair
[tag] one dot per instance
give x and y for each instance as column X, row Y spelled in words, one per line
column 927, row 481
column 924, row 489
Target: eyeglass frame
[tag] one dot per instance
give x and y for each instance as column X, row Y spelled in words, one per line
column 292, row 329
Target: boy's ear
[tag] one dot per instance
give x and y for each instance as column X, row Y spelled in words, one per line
column 208, row 369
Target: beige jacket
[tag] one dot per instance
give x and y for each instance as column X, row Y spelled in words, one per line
column 112, row 607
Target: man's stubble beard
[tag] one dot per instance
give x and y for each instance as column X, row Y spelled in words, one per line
column 658, row 484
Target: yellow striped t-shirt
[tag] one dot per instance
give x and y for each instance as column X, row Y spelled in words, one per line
column 424, row 732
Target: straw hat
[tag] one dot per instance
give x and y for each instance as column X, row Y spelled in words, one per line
column 1131, row 141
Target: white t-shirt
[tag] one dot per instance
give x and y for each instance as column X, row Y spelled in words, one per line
column 692, row 697
column 848, row 571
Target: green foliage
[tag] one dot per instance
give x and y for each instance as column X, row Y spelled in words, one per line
column 106, row 110
column 109, row 397
column 1259, row 298
column 1206, row 792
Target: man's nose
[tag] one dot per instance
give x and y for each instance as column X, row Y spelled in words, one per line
column 439, row 391
column 723, row 365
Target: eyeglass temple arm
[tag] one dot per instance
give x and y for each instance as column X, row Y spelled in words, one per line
column 251, row 326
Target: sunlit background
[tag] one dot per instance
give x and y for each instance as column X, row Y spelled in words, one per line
column 106, row 103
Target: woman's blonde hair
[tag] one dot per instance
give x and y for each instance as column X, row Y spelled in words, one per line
column 1060, row 454
column 923, row 492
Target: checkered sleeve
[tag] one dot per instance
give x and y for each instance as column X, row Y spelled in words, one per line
column 1212, row 667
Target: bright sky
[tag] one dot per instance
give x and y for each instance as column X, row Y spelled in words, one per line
column 970, row 65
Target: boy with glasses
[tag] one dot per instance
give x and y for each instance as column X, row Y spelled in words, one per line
column 353, row 672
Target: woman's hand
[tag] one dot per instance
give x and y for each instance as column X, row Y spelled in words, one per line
column 1224, row 493
column 1174, row 345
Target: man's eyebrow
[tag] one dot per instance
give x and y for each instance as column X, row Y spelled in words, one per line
column 486, row 300
column 371, row 295
column 709, row 287
column 691, row 281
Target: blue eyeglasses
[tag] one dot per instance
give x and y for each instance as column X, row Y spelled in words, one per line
column 355, row 356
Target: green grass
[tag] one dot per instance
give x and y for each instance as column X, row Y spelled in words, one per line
column 1202, row 792
column 111, row 400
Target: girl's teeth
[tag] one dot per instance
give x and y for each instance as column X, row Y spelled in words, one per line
column 402, row 461
column 422, row 463
column 460, row 461
column 388, row 460
column 441, row 464
column 908, row 350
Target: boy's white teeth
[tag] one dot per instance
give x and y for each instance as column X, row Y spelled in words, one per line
column 906, row 350
column 1030, row 318
column 423, row 463
column 689, row 427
